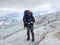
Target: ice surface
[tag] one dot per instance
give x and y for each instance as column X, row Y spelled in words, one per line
column 46, row 29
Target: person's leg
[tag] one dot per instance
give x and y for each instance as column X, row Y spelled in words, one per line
column 32, row 33
column 28, row 34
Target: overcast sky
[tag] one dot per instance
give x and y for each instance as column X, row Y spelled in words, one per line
column 21, row 4
column 15, row 5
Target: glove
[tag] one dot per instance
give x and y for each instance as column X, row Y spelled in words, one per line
column 32, row 22
column 29, row 23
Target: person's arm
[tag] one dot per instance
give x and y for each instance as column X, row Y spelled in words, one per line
column 33, row 19
column 24, row 19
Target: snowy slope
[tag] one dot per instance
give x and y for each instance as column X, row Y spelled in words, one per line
column 19, row 38
column 47, row 30
column 53, row 36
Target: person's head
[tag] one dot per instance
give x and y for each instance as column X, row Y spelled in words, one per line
column 27, row 12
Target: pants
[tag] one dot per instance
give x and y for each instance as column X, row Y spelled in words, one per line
column 30, row 29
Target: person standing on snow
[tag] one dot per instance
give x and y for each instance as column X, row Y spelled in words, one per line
column 29, row 20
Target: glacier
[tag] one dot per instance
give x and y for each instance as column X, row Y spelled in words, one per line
column 46, row 29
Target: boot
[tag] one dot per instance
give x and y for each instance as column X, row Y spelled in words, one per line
column 32, row 40
column 28, row 38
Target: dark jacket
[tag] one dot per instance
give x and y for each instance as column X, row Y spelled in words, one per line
column 28, row 20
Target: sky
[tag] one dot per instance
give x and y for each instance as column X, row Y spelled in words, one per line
column 7, row 6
